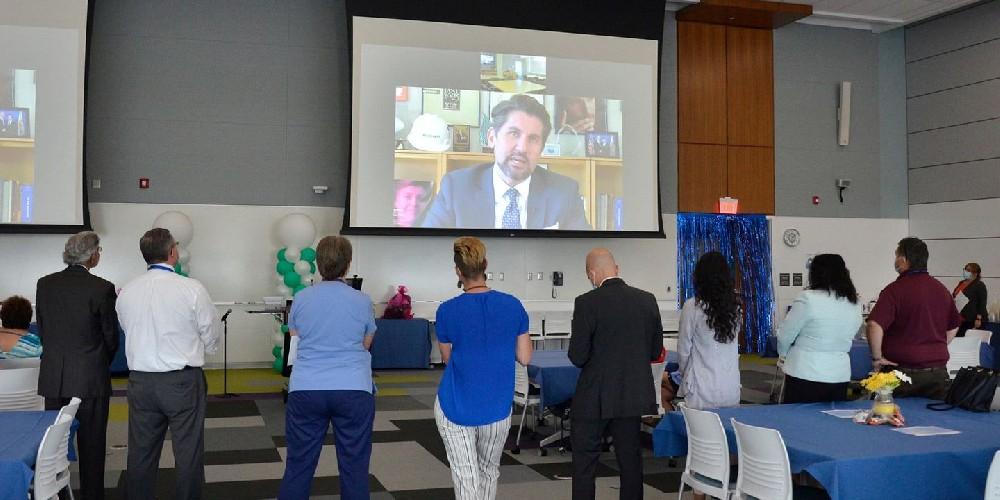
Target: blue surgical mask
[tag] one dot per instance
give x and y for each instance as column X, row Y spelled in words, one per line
column 966, row 275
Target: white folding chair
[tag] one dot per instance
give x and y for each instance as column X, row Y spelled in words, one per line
column 70, row 409
column 984, row 335
column 523, row 398
column 993, row 479
column 764, row 471
column 707, row 467
column 19, row 390
column 558, row 327
column 13, row 363
column 51, row 463
column 962, row 352
column 658, row 369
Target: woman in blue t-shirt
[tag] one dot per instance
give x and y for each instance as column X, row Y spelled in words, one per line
column 481, row 333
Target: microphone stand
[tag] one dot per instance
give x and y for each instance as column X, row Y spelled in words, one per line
column 225, row 355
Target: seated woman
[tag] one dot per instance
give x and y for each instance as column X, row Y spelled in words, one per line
column 816, row 336
column 15, row 340
column 706, row 343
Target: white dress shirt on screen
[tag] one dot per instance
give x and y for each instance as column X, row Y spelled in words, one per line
column 500, row 198
column 169, row 321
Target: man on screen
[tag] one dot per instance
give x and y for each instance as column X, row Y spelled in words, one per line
column 510, row 193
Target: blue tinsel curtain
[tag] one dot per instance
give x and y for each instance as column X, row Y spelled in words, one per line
column 746, row 243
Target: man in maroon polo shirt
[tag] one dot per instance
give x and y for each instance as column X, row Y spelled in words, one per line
column 912, row 323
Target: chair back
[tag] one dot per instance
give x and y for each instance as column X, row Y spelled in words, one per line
column 13, row 363
column 708, row 449
column 51, row 463
column 70, row 409
column 962, row 352
column 19, row 390
column 993, row 479
column 521, row 384
column 658, row 369
column 984, row 335
column 764, row 471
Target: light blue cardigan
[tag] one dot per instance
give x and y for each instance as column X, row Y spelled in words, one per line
column 816, row 336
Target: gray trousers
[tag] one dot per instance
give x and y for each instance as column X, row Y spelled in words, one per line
column 157, row 401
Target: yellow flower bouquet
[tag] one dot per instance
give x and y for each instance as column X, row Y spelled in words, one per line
column 884, row 409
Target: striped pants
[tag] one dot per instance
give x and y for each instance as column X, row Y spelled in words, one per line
column 474, row 455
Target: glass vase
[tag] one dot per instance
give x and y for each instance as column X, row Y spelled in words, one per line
column 883, row 405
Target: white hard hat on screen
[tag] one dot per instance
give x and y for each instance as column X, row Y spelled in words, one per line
column 430, row 133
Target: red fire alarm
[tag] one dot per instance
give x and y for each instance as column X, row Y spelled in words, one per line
column 816, row 200
column 143, row 183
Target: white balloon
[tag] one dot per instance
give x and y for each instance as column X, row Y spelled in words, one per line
column 183, row 256
column 317, row 278
column 279, row 278
column 292, row 254
column 302, row 267
column 296, row 230
column 277, row 339
column 308, row 279
column 178, row 224
column 284, row 291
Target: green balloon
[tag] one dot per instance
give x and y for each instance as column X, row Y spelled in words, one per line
column 284, row 328
column 298, row 289
column 308, row 254
column 292, row 279
column 184, row 274
column 177, row 268
column 276, row 352
column 277, row 366
column 284, row 267
column 281, row 256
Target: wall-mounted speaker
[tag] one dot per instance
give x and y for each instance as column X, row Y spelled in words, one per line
column 844, row 114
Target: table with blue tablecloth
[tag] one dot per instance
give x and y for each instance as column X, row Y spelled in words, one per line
column 555, row 375
column 401, row 343
column 856, row 461
column 22, row 433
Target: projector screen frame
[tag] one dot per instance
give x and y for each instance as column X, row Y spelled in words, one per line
column 85, row 225
column 591, row 19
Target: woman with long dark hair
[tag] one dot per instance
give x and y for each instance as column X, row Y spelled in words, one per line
column 816, row 336
column 706, row 344
column 970, row 298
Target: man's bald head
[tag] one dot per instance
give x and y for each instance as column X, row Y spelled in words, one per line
column 601, row 265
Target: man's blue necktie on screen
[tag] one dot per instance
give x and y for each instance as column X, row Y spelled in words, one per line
column 512, row 215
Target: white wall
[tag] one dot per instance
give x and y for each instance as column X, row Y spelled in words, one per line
column 867, row 246
column 233, row 254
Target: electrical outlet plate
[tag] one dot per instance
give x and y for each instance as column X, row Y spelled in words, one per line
column 539, row 276
column 489, row 276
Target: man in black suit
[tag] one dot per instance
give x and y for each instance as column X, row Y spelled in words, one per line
column 616, row 334
column 79, row 330
column 512, row 192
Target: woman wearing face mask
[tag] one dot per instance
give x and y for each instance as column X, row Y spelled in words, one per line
column 970, row 298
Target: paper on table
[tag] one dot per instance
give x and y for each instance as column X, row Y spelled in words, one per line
column 841, row 413
column 927, row 430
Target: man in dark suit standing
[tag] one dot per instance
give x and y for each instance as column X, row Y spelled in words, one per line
column 79, row 330
column 512, row 192
column 616, row 334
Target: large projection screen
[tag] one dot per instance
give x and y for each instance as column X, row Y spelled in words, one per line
column 42, row 77
column 472, row 129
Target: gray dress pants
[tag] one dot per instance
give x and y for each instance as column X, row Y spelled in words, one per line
column 156, row 402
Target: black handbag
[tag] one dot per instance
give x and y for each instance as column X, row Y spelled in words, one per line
column 973, row 389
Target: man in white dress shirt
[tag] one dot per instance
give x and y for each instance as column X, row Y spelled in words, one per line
column 170, row 324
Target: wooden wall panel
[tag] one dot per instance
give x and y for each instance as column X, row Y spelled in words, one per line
column 701, row 83
column 751, row 178
column 701, row 177
column 749, row 87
